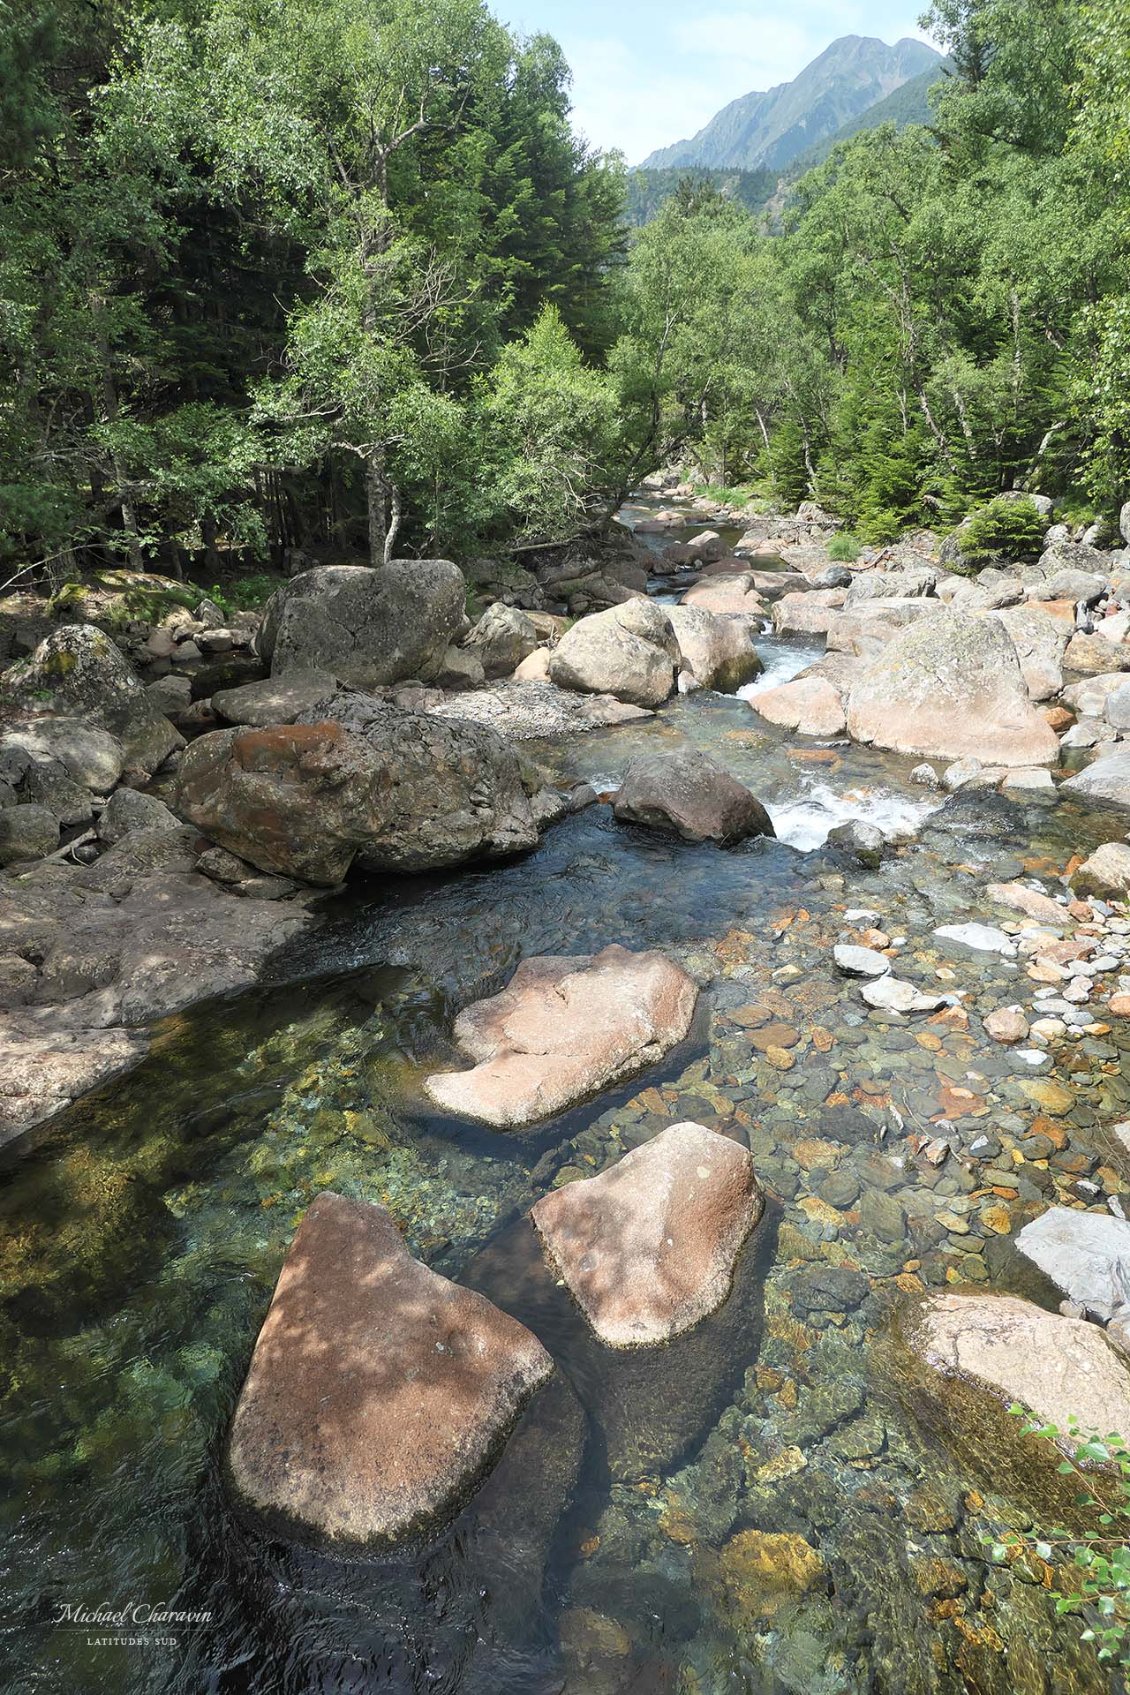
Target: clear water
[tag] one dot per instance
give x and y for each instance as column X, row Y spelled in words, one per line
column 142, row 1232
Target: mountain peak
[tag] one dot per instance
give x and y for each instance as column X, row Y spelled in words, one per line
column 772, row 128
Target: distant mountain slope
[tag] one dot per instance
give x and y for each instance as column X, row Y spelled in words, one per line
column 907, row 105
column 774, row 128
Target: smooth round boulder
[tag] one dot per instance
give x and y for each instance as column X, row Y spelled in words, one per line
column 692, row 796
column 630, row 651
column 378, row 1394
column 27, row 832
column 561, row 1029
column 648, row 1247
column 501, row 640
column 369, row 627
column 90, row 756
column 950, row 686
column 129, row 809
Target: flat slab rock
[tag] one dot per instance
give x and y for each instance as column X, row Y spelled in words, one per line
column 561, row 1029
column 1086, row 1254
column 523, row 711
column 1061, row 1368
column 378, row 1393
column 276, row 700
column 648, row 1248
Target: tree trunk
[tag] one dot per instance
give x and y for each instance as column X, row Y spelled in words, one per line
column 110, row 411
column 393, row 523
column 376, row 502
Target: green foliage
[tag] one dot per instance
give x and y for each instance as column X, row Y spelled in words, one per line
column 254, row 260
column 845, row 548
column 1100, row 1590
column 1004, row 529
column 551, row 434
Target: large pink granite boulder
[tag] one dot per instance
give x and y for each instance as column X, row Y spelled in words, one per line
column 379, row 1393
column 648, row 1248
column 561, row 1029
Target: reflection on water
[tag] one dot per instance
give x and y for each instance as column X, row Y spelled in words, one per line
column 760, row 1513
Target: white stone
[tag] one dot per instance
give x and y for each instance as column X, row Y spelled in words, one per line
column 1086, row 1255
column 861, row 962
column 982, row 938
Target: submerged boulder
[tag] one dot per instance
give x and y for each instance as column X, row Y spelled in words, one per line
column 692, row 795
column 648, row 1248
column 79, row 673
column 630, row 651
column 378, row 1392
column 369, row 627
column 389, row 790
column 951, row 686
column 718, row 653
column 1060, row 1368
column 563, row 1028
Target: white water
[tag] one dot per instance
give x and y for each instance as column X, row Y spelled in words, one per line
column 783, row 661
column 806, row 821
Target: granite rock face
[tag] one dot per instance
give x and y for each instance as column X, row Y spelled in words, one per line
column 369, row 627
column 648, row 1248
column 630, row 651
column 951, row 686
column 379, row 1393
column 561, row 1029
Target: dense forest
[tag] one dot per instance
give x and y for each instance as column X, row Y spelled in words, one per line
column 337, row 276
column 649, row 189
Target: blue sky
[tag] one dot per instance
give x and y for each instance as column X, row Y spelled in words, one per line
column 647, row 72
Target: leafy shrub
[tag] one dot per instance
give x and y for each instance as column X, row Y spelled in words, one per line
column 1101, row 1556
column 1008, row 529
column 245, row 595
column 845, row 548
